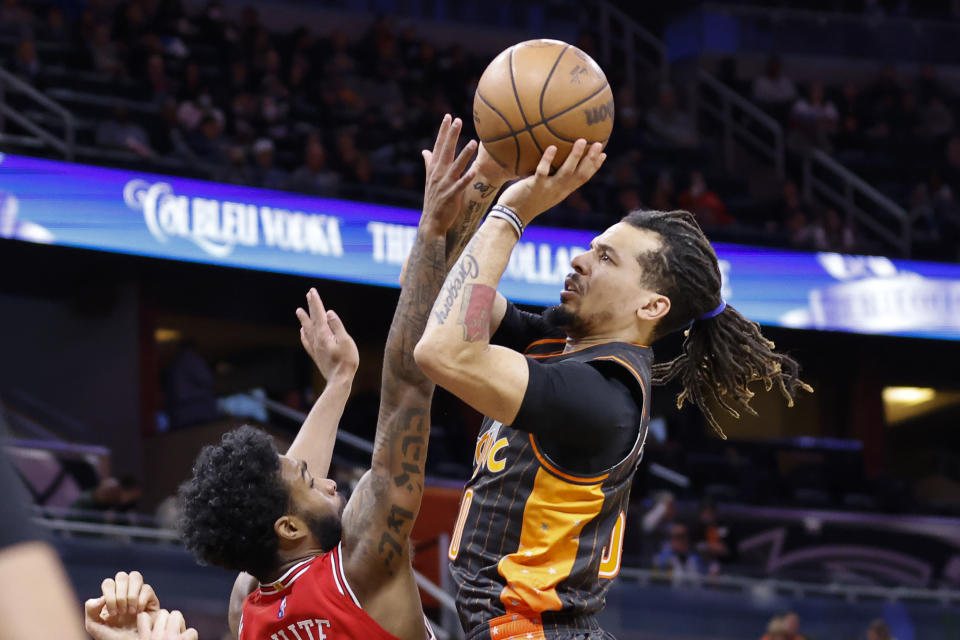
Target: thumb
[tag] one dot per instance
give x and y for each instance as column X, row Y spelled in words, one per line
column 427, row 158
column 93, row 606
column 336, row 324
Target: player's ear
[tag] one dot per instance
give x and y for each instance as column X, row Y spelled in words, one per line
column 290, row 529
column 653, row 306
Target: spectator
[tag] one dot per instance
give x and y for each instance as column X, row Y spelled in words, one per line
column 928, row 85
column 676, row 557
column 628, row 143
column 207, row 143
column 814, row 118
column 314, row 176
column 237, row 170
column 704, row 204
column 776, row 629
column 804, row 233
column 951, row 168
column 837, row 234
column 658, row 521
column 790, row 204
column 192, row 86
column 110, row 495
column 773, row 90
column 55, row 28
column 265, row 174
column 878, row 630
column 122, row 133
column 851, row 118
column 104, row 54
column 664, row 196
column 936, row 120
column 628, row 200
column 158, row 87
column 190, row 392
column 670, row 124
column 166, row 136
column 712, row 539
column 791, row 625
column 14, row 17
column 25, row 62
column 884, row 97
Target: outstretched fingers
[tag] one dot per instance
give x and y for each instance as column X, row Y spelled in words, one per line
column 317, row 312
column 441, row 135
column 591, row 162
column 546, row 161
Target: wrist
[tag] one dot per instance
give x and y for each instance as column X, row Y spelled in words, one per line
column 431, row 228
column 492, row 177
column 342, row 374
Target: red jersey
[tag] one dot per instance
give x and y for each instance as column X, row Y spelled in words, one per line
column 311, row 601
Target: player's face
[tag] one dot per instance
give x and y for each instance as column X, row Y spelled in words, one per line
column 315, row 500
column 604, row 292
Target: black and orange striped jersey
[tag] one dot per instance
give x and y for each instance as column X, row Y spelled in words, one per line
column 534, row 538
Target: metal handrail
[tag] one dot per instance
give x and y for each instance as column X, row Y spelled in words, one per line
column 67, row 145
column 822, row 17
column 632, row 32
column 734, row 127
column 287, row 412
column 798, row 589
column 853, row 185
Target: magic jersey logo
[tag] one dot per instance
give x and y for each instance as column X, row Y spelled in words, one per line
column 488, row 451
column 218, row 226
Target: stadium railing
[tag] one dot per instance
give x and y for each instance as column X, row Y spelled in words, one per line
column 65, row 143
column 741, row 121
column 829, row 180
column 745, row 123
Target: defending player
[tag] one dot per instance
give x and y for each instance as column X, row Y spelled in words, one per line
column 541, row 521
column 249, row 509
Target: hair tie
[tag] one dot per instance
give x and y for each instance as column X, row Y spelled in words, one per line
column 715, row 312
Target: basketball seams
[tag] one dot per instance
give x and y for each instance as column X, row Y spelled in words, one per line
column 523, row 116
column 546, row 83
column 546, row 121
column 516, row 142
column 537, row 75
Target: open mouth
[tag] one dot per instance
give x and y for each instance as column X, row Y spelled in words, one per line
column 570, row 289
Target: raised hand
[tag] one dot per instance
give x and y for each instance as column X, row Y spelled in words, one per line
column 485, row 165
column 113, row 616
column 535, row 194
column 326, row 340
column 446, row 176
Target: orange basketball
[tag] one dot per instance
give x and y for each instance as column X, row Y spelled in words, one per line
column 538, row 93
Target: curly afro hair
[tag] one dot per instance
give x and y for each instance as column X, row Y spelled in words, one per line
column 231, row 502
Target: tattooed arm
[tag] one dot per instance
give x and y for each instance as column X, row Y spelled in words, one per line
column 489, row 178
column 480, row 195
column 455, row 351
column 379, row 517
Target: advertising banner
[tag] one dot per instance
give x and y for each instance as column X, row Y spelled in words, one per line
column 46, row 201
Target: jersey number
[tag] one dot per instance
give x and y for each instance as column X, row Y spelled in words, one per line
column 610, row 558
column 461, row 522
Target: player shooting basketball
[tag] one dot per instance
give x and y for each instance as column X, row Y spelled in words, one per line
column 541, row 522
column 246, row 508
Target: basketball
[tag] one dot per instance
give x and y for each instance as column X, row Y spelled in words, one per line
column 538, row 93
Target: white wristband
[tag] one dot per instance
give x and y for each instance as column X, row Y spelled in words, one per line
column 504, row 212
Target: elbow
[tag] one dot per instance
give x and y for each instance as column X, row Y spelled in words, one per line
column 437, row 360
column 427, row 356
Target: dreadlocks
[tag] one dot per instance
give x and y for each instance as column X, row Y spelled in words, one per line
column 721, row 355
